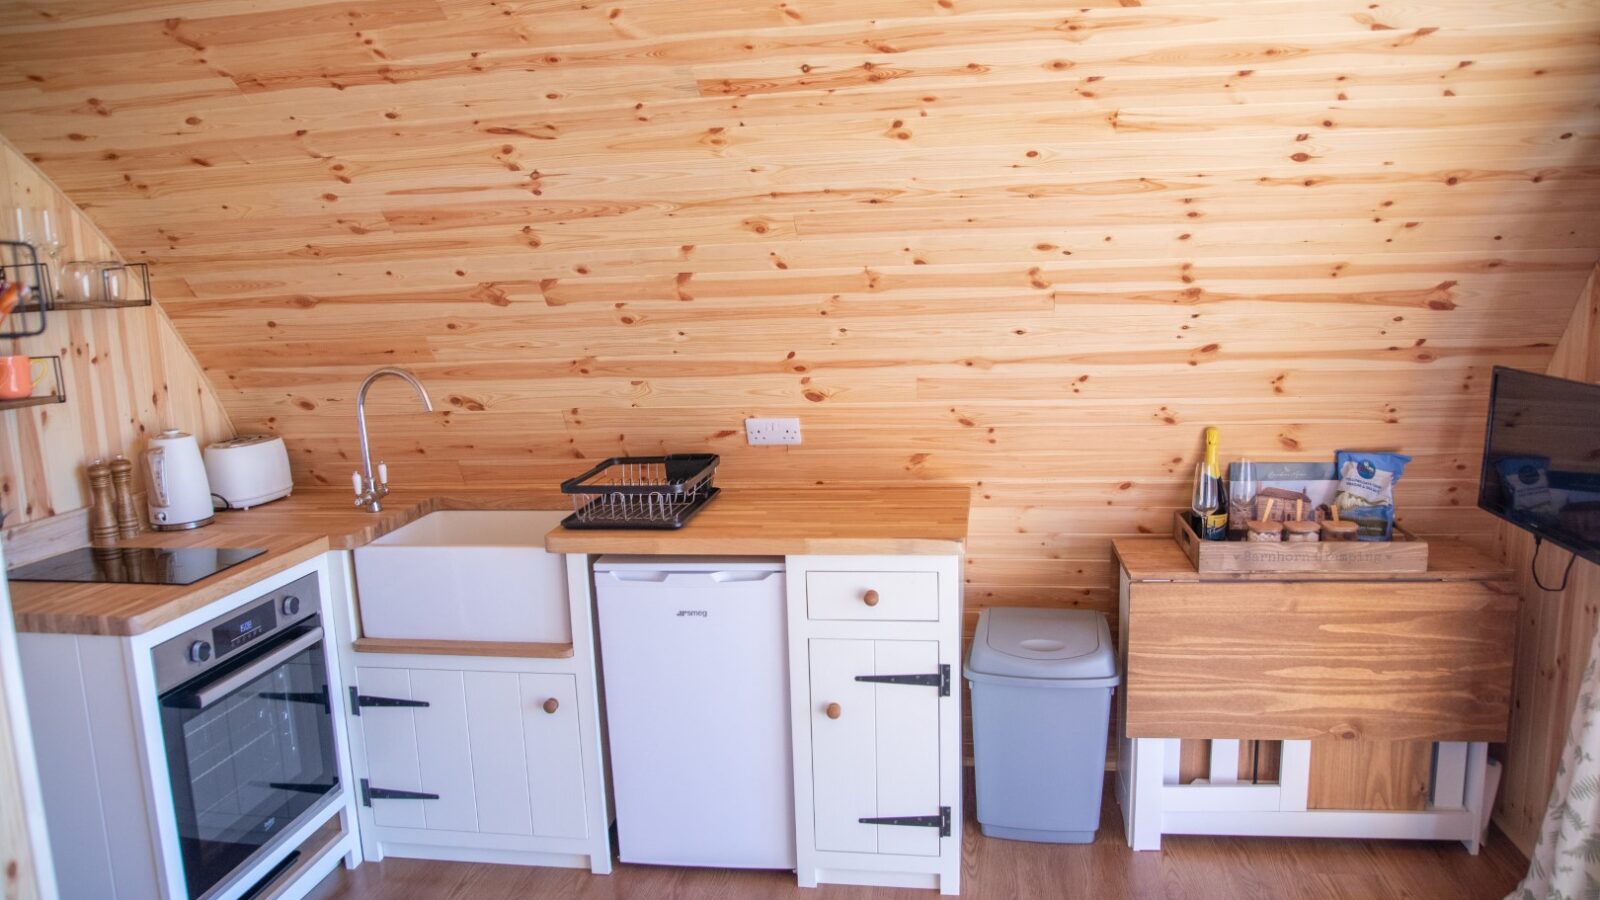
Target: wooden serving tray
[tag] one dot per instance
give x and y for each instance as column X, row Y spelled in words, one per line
column 1404, row 554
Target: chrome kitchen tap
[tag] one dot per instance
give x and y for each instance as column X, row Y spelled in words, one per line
column 373, row 489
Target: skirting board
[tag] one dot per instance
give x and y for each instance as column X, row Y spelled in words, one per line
column 1445, row 825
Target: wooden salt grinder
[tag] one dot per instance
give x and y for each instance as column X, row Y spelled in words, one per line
column 102, row 510
column 122, row 481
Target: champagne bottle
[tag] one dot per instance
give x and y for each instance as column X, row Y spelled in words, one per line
column 1216, row 524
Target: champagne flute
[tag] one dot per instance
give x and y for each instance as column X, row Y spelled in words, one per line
column 22, row 223
column 1204, row 500
column 49, row 238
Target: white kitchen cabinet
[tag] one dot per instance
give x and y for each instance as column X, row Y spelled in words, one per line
column 485, row 745
column 105, row 774
column 479, row 758
column 875, row 694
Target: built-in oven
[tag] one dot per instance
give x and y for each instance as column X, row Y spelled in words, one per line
column 246, row 716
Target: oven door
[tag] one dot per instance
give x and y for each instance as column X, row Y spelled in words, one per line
column 250, row 749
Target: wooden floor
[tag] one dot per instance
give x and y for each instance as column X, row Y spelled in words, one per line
column 1187, row 868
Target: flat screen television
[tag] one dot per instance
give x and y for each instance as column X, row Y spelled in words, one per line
column 1541, row 458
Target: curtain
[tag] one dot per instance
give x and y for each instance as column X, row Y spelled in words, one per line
column 1566, row 864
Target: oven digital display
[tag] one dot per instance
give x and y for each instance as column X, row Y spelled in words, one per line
column 244, row 628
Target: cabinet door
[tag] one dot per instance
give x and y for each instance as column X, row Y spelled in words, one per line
column 880, row 756
column 419, row 749
column 553, row 755
column 500, row 762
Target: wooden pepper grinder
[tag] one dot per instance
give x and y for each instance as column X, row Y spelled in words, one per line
column 122, row 481
column 102, row 510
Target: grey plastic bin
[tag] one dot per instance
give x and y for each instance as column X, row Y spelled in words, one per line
column 1041, row 702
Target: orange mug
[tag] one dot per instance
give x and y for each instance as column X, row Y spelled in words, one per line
column 16, row 377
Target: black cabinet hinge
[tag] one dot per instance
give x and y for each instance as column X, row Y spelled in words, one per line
column 358, row 700
column 940, row 680
column 370, row 793
column 941, row 821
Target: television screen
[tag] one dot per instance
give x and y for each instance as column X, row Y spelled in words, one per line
column 1541, row 458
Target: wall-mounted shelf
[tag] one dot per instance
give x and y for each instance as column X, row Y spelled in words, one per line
column 19, row 262
column 28, row 317
column 51, row 379
column 140, row 282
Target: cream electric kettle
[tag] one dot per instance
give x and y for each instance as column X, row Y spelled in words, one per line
column 180, row 493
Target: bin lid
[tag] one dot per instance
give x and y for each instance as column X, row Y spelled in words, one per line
column 1052, row 645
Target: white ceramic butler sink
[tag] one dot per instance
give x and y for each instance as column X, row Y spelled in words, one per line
column 467, row 575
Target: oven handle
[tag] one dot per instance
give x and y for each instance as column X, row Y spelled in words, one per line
column 217, row 690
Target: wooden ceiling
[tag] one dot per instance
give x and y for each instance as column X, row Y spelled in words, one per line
column 1011, row 243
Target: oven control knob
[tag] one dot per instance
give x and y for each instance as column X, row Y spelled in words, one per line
column 199, row 651
column 291, row 605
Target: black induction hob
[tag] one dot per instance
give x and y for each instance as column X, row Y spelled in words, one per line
column 135, row 565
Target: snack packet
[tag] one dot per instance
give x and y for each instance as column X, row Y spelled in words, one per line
column 1365, row 494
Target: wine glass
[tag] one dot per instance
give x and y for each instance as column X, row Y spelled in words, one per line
column 1204, row 500
column 1242, row 491
column 49, row 230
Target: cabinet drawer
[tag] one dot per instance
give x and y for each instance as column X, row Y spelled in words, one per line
column 873, row 596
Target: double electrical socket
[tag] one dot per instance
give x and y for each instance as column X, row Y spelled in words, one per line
column 771, row 431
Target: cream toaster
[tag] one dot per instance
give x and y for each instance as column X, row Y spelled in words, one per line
column 248, row 470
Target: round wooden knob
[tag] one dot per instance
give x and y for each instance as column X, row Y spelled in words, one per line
column 870, row 598
column 833, row 710
column 551, row 705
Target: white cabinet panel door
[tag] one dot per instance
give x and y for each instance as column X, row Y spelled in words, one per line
column 499, row 761
column 907, row 747
column 843, row 751
column 554, row 755
column 880, row 757
column 442, row 749
column 390, row 736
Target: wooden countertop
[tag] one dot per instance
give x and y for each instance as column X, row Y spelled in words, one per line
column 802, row 520
column 742, row 521
column 1161, row 559
column 123, row 609
column 292, row 530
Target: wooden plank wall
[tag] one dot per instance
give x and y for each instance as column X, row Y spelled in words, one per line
column 1003, row 243
column 126, row 371
column 1554, row 630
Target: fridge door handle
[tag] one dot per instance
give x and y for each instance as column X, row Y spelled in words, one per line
column 744, row 577
column 700, row 578
column 648, row 577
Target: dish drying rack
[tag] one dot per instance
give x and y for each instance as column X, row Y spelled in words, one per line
column 642, row 491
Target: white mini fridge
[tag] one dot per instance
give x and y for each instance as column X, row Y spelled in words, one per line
column 694, row 656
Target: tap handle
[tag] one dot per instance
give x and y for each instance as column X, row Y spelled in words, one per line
column 355, row 479
column 383, row 473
